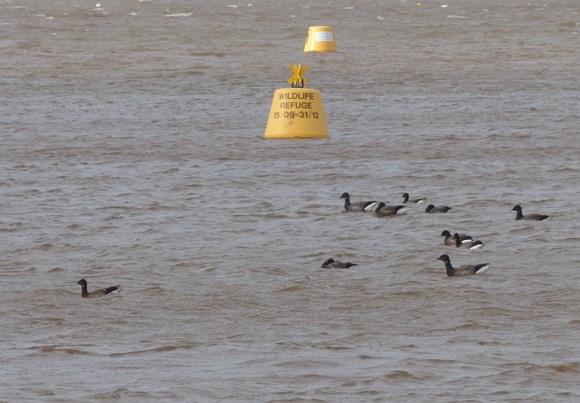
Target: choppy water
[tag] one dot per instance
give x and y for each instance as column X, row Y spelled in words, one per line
column 133, row 153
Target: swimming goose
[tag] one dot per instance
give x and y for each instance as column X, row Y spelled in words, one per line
column 96, row 293
column 439, row 209
column 463, row 270
column 363, row 206
column 336, row 264
column 529, row 217
column 476, row 245
column 416, row 200
column 383, row 209
column 450, row 239
column 469, row 244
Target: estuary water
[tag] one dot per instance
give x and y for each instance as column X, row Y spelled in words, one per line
column 133, row 153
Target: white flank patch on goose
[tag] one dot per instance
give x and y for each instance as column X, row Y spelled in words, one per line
column 371, row 207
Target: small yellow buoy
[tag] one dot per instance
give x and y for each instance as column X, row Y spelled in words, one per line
column 297, row 112
column 320, row 39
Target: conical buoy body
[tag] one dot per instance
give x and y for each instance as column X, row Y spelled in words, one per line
column 320, row 39
column 296, row 113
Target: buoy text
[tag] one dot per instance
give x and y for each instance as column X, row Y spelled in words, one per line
column 296, row 100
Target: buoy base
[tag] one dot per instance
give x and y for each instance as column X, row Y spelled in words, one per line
column 296, row 113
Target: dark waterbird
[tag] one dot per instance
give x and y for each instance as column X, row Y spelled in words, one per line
column 468, row 244
column 450, row 239
column 529, row 217
column 383, row 209
column 464, row 270
column 96, row 293
column 336, row 264
column 439, row 209
column 406, row 199
column 362, row 206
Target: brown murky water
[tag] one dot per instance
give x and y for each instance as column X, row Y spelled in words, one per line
column 133, row 153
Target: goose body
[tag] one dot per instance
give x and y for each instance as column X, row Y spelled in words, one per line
column 529, row 217
column 464, row 270
column 383, row 209
column 406, row 199
column 468, row 244
column 439, row 209
column 476, row 245
column 450, row 239
column 362, row 206
column 96, row 293
column 336, row 264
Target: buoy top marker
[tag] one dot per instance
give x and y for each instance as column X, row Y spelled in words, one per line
column 297, row 80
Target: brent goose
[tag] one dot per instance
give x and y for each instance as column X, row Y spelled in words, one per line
column 96, row 293
column 530, row 217
column 383, row 209
column 336, row 264
column 439, row 209
column 470, row 244
column 476, row 245
column 450, row 239
column 463, row 270
column 416, row 200
column 364, row 206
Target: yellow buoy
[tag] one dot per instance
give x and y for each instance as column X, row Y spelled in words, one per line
column 320, row 39
column 296, row 112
